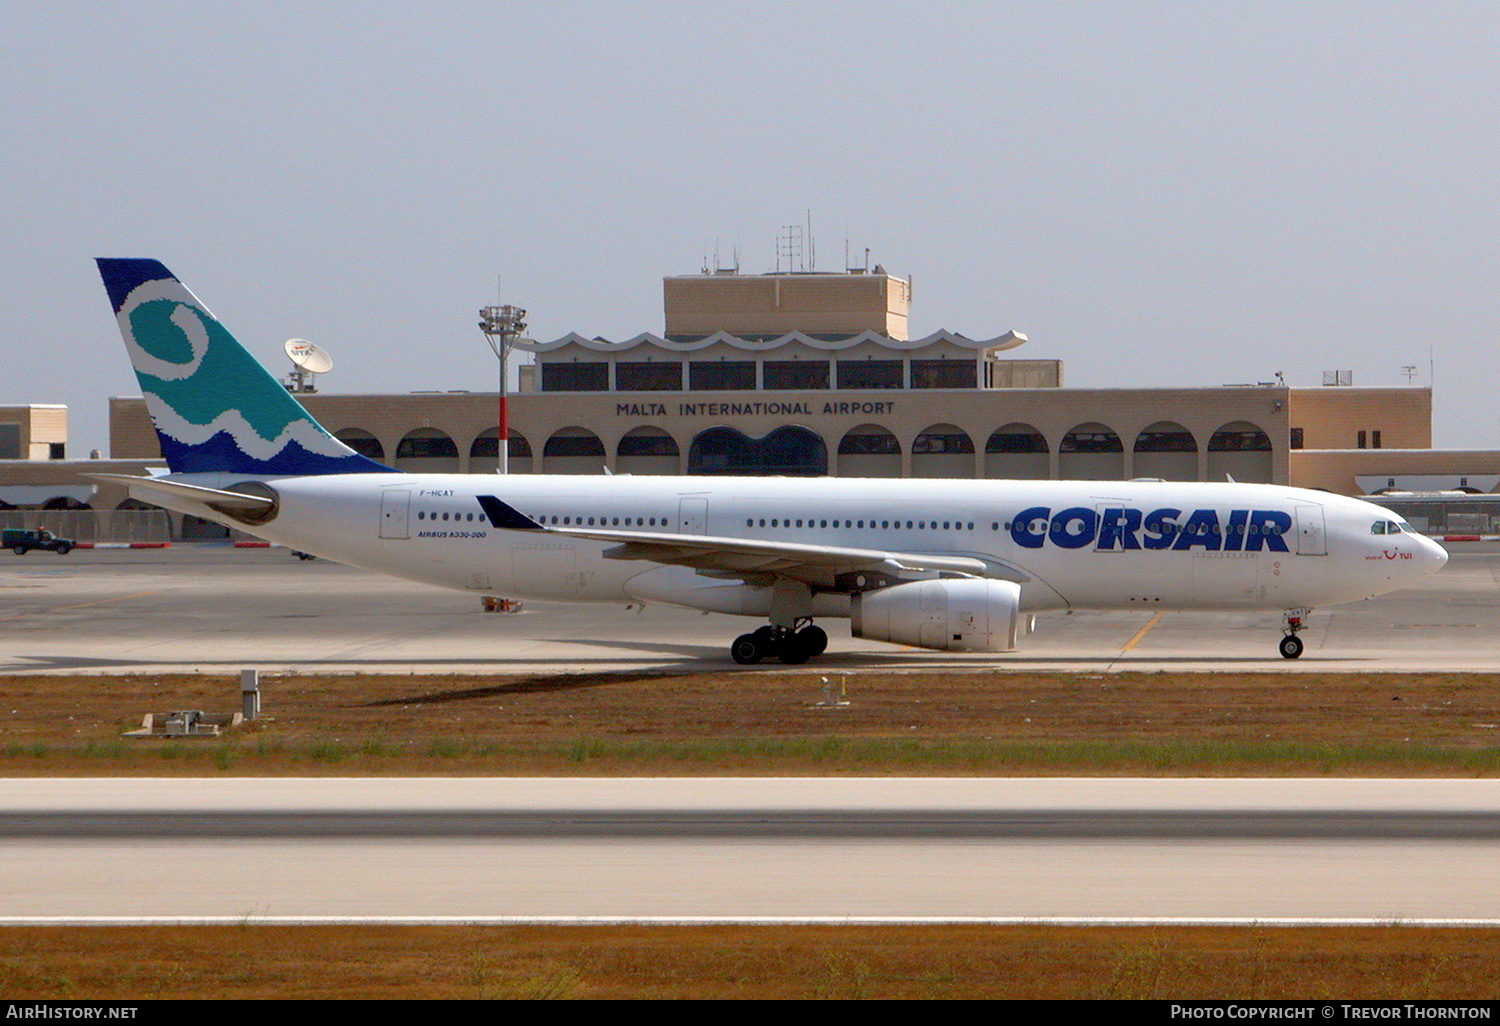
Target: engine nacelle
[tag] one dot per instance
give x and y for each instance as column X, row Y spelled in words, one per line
column 959, row 615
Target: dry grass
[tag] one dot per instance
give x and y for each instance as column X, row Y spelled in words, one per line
column 748, row 961
column 763, row 722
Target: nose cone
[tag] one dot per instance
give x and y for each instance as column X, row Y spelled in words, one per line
column 1434, row 556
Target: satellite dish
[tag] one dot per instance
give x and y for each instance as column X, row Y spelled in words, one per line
column 309, row 356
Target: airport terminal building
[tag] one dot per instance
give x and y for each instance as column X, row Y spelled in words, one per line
column 815, row 374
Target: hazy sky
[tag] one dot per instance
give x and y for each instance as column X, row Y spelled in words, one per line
column 1156, row 193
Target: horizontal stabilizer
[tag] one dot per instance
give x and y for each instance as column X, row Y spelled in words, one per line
column 179, row 490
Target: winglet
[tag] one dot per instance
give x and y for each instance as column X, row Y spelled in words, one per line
column 506, row 517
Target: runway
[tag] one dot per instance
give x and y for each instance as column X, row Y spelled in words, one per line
column 215, row 608
column 744, row 849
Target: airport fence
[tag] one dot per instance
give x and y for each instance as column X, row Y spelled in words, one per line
column 87, row 525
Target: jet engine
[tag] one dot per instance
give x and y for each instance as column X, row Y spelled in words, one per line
column 958, row 615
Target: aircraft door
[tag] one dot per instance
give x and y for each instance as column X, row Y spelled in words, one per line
column 1312, row 539
column 693, row 516
column 546, row 567
column 1114, row 524
column 395, row 513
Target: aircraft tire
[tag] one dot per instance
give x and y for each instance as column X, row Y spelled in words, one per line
column 747, row 649
column 792, row 651
column 1291, row 646
column 813, row 639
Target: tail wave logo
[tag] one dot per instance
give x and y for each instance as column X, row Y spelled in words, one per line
column 210, row 400
column 141, row 324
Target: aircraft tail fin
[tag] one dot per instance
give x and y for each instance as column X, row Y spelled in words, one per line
column 215, row 408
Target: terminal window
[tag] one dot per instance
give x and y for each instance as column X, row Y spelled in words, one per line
column 857, row 374
column 648, row 377
column 721, row 375
column 944, row 374
column 575, row 377
column 10, row 441
column 793, row 374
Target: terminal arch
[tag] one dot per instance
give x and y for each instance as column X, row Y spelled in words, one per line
column 942, row 450
column 362, row 442
column 427, row 451
column 1017, row 452
column 648, row 450
column 573, row 450
column 484, row 453
column 1166, row 450
column 1240, row 450
column 869, row 451
column 1091, row 452
column 787, row 451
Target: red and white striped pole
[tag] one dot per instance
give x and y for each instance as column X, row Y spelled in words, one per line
column 502, row 325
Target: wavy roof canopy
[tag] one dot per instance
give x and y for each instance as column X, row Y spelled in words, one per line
column 1009, row 340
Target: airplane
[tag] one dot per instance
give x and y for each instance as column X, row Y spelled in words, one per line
column 947, row 565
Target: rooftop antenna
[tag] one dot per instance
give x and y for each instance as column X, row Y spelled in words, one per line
column 308, row 360
column 1410, row 370
column 812, row 245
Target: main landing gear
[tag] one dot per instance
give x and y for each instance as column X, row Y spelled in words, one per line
column 789, row 644
column 1291, row 645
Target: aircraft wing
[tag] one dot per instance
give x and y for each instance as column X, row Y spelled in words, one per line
column 752, row 560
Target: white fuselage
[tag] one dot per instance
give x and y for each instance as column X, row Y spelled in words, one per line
column 1080, row 544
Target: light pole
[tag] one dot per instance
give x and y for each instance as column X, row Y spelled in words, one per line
column 502, row 325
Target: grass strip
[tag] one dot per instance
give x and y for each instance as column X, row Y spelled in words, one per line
column 748, row 756
column 718, row 962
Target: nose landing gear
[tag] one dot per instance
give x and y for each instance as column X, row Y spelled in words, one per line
column 792, row 645
column 1291, row 645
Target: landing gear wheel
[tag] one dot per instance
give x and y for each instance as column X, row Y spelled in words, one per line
column 813, row 639
column 1291, row 646
column 747, row 649
column 792, row 651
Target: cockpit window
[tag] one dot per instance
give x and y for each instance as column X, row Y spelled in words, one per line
column 1391, row 527
column 1378, row 527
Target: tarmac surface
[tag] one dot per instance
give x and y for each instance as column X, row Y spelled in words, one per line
column 217, row 609
column 728, row 849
